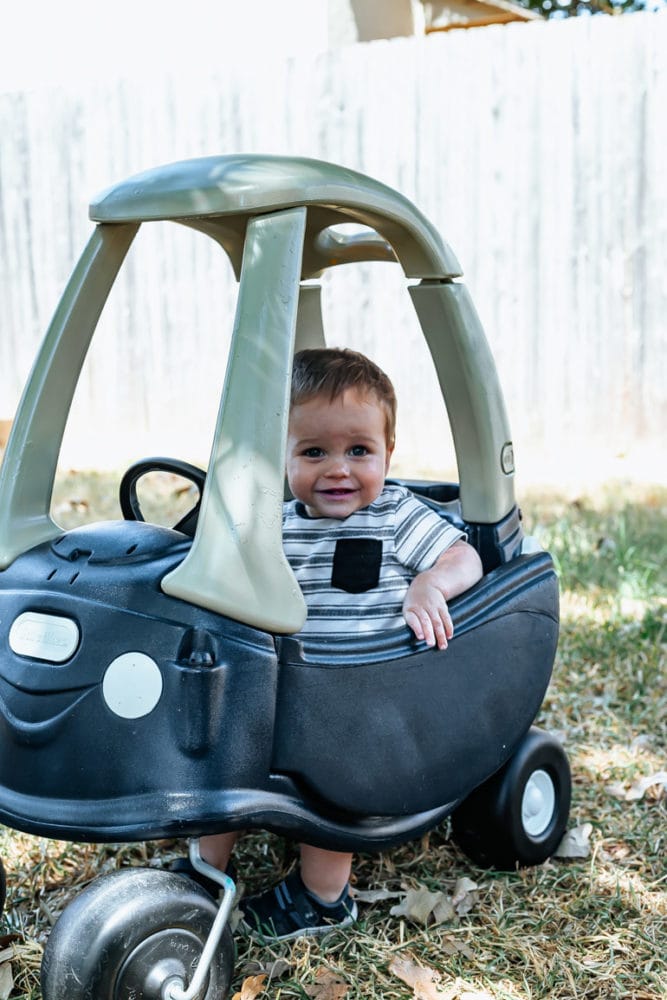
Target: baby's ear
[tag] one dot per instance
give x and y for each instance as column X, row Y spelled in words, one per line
column 390, row 452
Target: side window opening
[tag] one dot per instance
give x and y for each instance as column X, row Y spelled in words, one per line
column 151, row 382
column 391, row 334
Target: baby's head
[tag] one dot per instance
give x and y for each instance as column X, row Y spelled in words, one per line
column 341, row 431
column 330, row 371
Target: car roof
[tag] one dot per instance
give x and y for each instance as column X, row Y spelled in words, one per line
column 217, row 194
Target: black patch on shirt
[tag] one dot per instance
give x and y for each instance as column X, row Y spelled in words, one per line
column 356, row 564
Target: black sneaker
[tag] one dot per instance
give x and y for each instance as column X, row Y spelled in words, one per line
column 289, row 910
column 183, row 866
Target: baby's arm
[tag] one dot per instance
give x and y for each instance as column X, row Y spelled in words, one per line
column 425, row 605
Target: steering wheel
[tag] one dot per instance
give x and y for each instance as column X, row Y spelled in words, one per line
column 127, row 490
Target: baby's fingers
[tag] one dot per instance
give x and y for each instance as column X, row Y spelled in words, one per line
column 442, row 628
column 427, row 628
column 421, row 628
column 433, row 628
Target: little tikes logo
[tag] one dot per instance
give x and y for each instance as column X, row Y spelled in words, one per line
column 40, row 636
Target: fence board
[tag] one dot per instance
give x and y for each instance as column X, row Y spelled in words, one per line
column 538, row 150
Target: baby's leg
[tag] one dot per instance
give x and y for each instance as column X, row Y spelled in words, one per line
column 325, row 873
column 216, row 848
column 309, row 901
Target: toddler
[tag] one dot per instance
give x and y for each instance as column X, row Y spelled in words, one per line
column 368, row 558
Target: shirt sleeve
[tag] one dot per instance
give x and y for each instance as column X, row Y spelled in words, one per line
column 421, row 534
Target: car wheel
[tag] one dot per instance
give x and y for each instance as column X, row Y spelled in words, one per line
column 131, row 932
column 518, row 817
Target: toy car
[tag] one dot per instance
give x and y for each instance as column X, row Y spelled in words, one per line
column 150, row 683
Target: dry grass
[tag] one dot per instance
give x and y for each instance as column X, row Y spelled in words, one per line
column 593, row 928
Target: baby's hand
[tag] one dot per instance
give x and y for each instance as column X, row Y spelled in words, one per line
column 425, row 611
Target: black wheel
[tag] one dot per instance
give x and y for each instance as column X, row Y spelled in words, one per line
column 3, row 887
column 127, row 490
column 518, row 816
column 128, row 933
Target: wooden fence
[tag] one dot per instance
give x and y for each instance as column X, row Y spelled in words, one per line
column 538, row 150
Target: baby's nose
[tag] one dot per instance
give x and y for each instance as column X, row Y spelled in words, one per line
column 339, row 466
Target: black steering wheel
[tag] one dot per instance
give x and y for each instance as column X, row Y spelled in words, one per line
column 127, row 490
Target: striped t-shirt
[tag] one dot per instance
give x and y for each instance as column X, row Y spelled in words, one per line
column 354, row 572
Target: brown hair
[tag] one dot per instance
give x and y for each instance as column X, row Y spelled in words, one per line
column 329, row 371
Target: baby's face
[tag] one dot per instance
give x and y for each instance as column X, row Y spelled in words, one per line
column 337, row 453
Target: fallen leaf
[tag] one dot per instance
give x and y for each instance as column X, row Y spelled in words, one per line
column 448, row 946
column 327, row 986
column 616, row 851
column 452, row 946
column 274, row 970
column 6, row 980
column 417, row 905
column 464, row 897
column 425, row 907
column 575, row 843
column 424, row 982
column 374, row 895
column 443, row 911
column 251, row 987
column 617, row 789
column 639, row 788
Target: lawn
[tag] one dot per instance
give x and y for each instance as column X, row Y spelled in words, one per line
column 593, row 926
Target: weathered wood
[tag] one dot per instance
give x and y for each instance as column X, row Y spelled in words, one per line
column 537, row 150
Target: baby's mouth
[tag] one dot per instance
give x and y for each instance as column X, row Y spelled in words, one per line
column 337, row 492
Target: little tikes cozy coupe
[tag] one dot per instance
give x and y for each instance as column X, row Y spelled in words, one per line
column 149, row 684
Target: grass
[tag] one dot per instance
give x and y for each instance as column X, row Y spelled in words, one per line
column 592, row 927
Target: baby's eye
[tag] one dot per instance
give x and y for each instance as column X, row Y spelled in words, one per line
column 358, row 450
column 313, row 453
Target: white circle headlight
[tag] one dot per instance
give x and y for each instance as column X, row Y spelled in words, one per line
column 132, row 685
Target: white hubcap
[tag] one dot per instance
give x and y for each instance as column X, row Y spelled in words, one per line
column 538, row 803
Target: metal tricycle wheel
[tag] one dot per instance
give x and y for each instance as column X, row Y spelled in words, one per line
column 135, row 934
